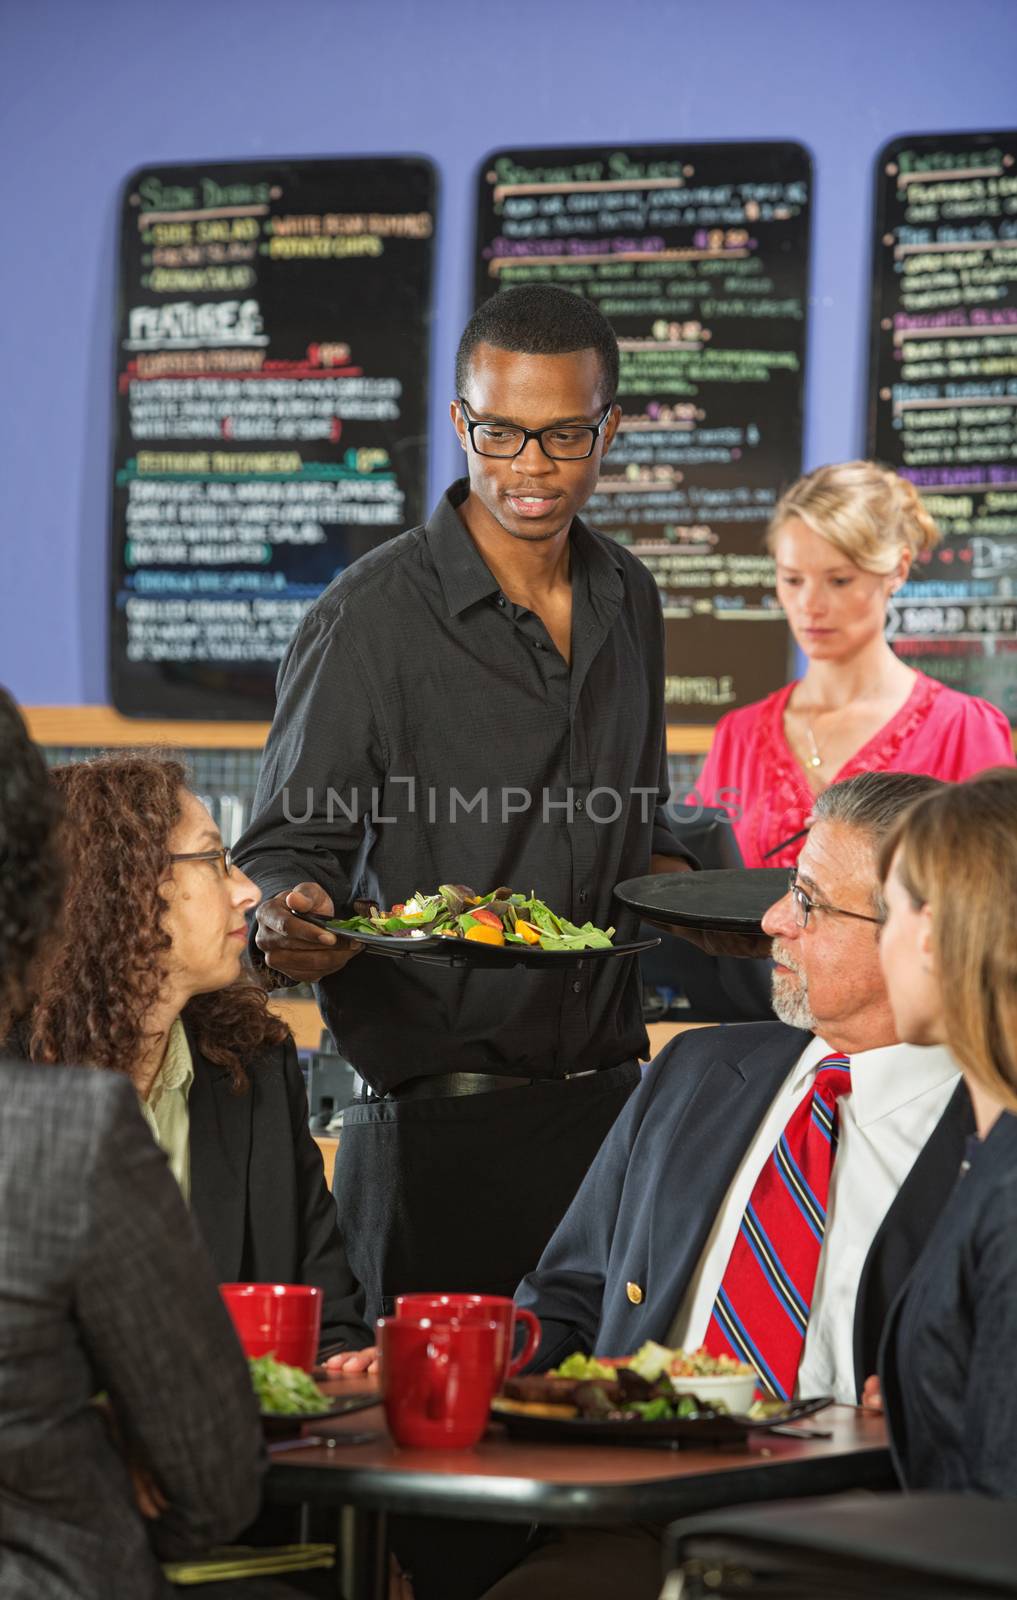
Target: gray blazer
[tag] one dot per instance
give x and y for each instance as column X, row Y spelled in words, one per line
column 647, row 1204
column 104, row 1287
column 258, row 1190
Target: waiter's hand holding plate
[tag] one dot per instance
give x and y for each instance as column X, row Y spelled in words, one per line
column 744, row 945
column 296, row 948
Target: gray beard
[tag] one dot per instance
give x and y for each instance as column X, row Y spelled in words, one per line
column 790, row 999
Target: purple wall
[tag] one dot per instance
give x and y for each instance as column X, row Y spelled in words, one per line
column 92, row 88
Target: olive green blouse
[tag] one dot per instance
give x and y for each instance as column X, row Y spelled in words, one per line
column 165, row 1110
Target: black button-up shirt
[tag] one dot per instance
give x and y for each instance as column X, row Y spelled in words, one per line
column 427, row 731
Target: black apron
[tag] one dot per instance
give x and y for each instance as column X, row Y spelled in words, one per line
column 461, row 1193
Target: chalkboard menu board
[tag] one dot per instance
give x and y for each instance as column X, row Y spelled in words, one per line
column 272, row 355
column 698, row 256
column 943, row 395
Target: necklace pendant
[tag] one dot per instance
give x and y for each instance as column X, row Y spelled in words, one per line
column 815, row 761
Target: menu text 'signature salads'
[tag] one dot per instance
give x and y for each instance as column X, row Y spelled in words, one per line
column 498, row 918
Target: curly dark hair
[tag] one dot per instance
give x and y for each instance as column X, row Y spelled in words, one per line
column 106, row 975
column 31, row 868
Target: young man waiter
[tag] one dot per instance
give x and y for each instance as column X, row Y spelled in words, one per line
column 479, row 701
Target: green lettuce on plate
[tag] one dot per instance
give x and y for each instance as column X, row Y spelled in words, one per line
column 282, row 1390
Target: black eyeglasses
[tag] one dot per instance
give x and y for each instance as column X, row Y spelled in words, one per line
column 559, row 442
column 225, row 856
column 804, row 904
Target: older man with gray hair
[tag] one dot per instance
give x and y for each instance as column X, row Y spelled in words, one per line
column 769, row 1185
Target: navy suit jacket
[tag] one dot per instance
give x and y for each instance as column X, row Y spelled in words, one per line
column 645, row 1209
column 952, row 1415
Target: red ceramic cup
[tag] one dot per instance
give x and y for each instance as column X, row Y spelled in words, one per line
column 279, row 1319
column 437, row 1380
column 480, row 1308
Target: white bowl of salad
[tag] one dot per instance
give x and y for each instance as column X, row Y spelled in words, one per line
column 715, row 1380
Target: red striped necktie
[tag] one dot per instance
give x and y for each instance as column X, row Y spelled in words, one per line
column 762, row 1308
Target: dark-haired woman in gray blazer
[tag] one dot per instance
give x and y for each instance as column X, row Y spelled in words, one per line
column 949, row 952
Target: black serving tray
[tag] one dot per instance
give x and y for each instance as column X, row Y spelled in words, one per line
column 728, row 900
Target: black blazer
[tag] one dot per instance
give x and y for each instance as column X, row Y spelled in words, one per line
column 645, row 1209
column 258, row 1190
column 946, row 1360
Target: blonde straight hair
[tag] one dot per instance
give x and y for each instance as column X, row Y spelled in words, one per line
column 866, row 512
column 958, row 855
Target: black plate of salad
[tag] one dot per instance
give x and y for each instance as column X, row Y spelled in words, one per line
column 288, row 1396
column 635, row 1402
column 695, row 1426
column 457, row 927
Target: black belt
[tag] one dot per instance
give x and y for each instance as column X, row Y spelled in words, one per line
column 442, row 1084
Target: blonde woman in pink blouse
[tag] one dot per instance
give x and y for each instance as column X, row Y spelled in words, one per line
column 843, row 538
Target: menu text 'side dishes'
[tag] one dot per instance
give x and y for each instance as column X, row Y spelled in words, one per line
column 271, row 388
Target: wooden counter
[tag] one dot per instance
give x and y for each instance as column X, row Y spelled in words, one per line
column 328, row 1147
column 303, row 1018
column 305, row 1022
column 100, row 727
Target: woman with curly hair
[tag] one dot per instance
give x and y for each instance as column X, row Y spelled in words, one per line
column 146, row 978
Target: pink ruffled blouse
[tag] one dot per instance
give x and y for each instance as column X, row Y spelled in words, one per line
column 752, row 772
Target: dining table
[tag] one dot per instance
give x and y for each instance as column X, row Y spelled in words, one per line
column 351, row 1465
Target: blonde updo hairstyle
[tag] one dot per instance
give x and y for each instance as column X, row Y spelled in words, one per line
column 956, row 852
column 865, row 511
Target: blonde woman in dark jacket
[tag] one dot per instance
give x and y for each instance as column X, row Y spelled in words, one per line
column 949, row 953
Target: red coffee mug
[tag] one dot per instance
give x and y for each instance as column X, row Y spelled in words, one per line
column 437, row 1380
column 279, row 1319
column 480, row 1308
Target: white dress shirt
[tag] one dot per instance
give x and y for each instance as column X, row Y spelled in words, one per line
column 898, row 1094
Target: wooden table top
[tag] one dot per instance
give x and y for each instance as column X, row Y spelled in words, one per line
column 357, row 1464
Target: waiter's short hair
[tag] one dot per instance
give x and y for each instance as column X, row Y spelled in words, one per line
column 540, row 319
column 31, row 863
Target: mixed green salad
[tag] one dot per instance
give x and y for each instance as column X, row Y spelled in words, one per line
column 499, row 918
column 641, row 1386
column 619, row 1393
column 282, row 1390
column 652, row 1361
